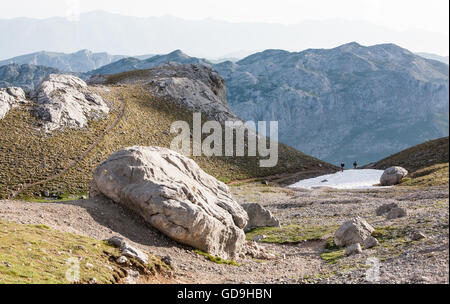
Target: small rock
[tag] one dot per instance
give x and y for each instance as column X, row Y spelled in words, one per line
column 353, row 249
column 352, row 232
column 93, row 281
column 258, row 216
column 132, row 252
column 122, row 260
column 418, row 235
column 258, row 237
column 396, row 213
column 116, row 241
column 167, row 260
column 386, row 208
column 370, row 242
column 89, row 265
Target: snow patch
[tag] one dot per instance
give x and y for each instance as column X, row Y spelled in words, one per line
column 349, row 179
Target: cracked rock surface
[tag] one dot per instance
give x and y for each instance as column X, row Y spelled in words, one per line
column 175, row 196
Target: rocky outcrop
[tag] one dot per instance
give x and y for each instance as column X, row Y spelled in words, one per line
column 65, row 101
column 352, row 232
column 10, row 98
column 127, row 250
column 258, row 216
column 175, row 196
column 195, row 87
column 393, row 176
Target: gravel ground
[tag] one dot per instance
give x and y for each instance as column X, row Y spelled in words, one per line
column 398, row 260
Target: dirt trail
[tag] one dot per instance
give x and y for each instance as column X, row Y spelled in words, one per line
column 72, row 164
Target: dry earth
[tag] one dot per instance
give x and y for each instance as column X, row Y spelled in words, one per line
column 401, row 260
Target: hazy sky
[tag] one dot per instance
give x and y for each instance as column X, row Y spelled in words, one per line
column 432, row 15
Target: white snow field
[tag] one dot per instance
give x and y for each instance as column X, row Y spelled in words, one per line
column 349, row 179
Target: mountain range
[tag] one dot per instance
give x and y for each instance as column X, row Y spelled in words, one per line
column 342, row 104
column 101, row 31
column 81, row 61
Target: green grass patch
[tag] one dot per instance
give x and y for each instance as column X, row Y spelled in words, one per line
column 332, row 253
column 37, row 254
column 436, row 175
column 291, row 233
column 217, row 260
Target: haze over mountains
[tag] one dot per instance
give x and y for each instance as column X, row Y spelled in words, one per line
column 343, row 104
column 100, row 31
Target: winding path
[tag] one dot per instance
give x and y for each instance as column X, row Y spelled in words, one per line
column 72, row 164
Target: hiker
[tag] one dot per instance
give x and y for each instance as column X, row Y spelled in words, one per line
column 342, row 166
column 355, row 165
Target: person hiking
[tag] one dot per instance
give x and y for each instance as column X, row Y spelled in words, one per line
column 342, row 166
column 355, row 165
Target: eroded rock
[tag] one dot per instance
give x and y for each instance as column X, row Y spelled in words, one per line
column 10, row 98
column 353, row 249
column 66, row 101
column 174, row 195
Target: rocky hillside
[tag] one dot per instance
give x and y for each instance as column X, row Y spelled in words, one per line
column 79, row 62
column 25, row 76
column 344, row 104
column 38, row 159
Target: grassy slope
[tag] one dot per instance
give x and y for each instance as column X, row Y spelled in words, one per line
column 27, row 156
column 39, row 255
column 426, row 163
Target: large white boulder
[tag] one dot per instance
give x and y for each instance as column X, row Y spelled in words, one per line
column 66, row 101
column 174, row 195
column 393, row 176
column 10, row 98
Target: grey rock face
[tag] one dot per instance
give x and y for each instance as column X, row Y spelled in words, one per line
column 66, row 101
column 258, row 216
column 396, row 213
column 174, row 195
column 353, row 249
column 385, row 208
column 353, row 231
column 341, row 104
column 10, row 98
column 393, row 176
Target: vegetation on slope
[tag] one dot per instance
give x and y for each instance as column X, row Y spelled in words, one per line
column 39, row 255
column 430, row 153
column 426, row 163
column 28, row 156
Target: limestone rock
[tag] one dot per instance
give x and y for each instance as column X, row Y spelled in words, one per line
column 174, row 195
column 67, row 101
column 393, row 176
column 386, row 208
column 353, row 231
column 353, row 249
column 258, row 216
column 396, row 213
column 418, row 235
column 10, row 98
